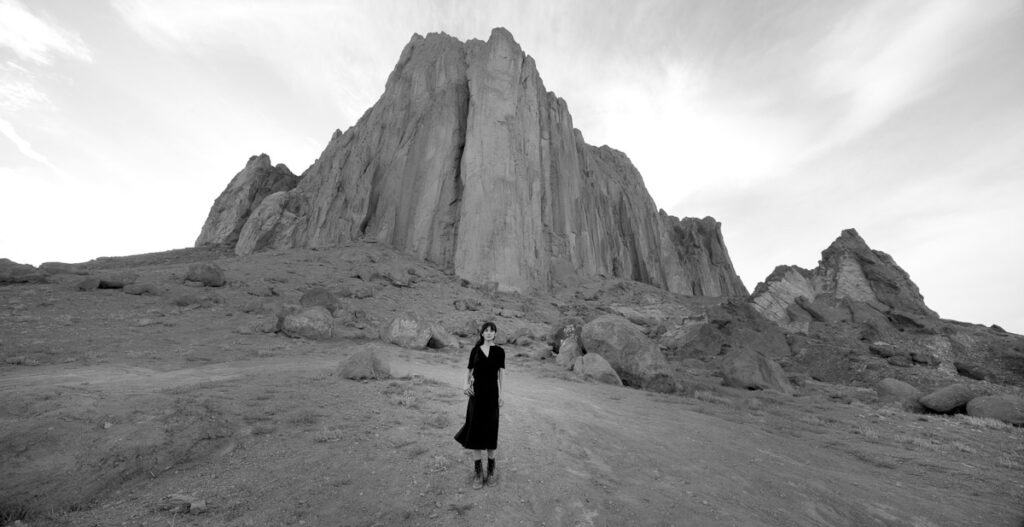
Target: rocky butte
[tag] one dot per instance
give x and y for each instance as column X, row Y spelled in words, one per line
column 467, row 161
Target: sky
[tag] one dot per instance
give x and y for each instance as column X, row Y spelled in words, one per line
column 787, row 121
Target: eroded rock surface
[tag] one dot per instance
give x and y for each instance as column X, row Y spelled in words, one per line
column 246, row 190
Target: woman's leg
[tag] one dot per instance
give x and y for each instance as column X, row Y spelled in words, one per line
column 490, row 467
column 478, row 472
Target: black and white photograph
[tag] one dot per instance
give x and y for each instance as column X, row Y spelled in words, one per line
column 512, row 262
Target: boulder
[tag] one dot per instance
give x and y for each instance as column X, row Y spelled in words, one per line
column 365, row 364
column 466, row 304
column 635, row 357
column 314, row 323
column 949, row 398
column 568, row 352
column 320, row 296
column 16, row 273
column 142, row 289
column 441, row 338
column 972, row 371
column 1006, row 408
column 745, row 368
column 208, row 274
column 923, row 357
column 118, row 280
column 565, row 328
column 593, row 366
column 406, row 330
column 88, row 284
column 896, row 391
column 884, row 349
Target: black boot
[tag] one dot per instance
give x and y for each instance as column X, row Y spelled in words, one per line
column 478, row 476
column 489, row 478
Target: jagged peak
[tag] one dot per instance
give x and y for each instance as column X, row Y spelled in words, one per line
column 260, row 160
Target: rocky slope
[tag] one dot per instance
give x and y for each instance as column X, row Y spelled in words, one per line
column 246, row 190
column 468, row 162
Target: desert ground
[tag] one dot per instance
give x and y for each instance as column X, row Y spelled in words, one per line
column 179, row 406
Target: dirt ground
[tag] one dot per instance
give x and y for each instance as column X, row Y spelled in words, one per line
column 111, row 403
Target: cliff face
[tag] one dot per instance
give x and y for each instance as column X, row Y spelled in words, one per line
column 849, row 273
column 468, row 162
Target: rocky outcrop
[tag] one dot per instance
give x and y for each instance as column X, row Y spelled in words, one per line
column 468, row 161
column 636, row 359
column 246, row 190
column 852, row 283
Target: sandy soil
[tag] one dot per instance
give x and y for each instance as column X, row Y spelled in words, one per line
column 110, row 403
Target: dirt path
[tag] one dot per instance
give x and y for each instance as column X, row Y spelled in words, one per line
column 570, row 454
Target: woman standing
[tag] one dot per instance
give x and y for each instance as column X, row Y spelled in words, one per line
column 483, row 386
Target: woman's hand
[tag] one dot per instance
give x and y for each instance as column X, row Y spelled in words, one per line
column 501, row 401
column 468, row 391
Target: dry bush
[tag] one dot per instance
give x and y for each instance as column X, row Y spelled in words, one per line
column 984, row 422
column 305, row 417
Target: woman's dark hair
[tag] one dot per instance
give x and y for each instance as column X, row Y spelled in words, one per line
column 484, row 327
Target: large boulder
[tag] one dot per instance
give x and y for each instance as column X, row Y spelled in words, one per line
column 635, row 357
column 1006, row 408
column 365, row 364
column 118, row 279
column 595, row 367
column 314, row 323
column 949, row 398
column 441, row 338
column 746, row 368
column 208, row 274
column 406, row 330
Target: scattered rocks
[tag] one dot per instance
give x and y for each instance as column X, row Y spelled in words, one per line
column 208, row 274
column 260, row 289
column 1006, row 408
column 466, row 304
column 595, row 367
column 365, row 364
column 949, row 398
column 359, row 291
column 320, row 296
column 923, row 357
column 745, row 368
column 314, row 323
column 406, row 330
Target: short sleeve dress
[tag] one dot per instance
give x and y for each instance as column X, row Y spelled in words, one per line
column 481, row 429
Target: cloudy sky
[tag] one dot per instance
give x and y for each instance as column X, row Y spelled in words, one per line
column 787, row 121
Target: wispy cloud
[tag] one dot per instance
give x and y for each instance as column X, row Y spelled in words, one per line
column 34, row 39
column 23, row 146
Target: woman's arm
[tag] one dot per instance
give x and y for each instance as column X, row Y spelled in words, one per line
column 468, row 390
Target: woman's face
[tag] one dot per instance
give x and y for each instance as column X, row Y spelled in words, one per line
column 488, row 334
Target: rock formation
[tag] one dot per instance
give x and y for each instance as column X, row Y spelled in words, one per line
column 247, row 189
column 468, row 162
column 852, row 283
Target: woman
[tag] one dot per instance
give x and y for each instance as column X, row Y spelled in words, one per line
column 483, row 386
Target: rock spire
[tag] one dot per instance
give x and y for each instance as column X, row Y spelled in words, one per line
column 468, row 162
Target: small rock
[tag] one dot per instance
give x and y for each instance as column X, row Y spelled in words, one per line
column 141, row 289
column 320, row 296
column 406, row 330
column 365, row 364
column 595, row 367
column 568, row 352
column 260, row 289
column 972, row 371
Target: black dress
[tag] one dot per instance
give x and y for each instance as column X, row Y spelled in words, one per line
column 481, row 429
